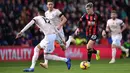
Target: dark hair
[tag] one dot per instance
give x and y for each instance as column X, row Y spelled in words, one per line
column 50, row 1
column 41, row 11
column 113, row 11
column 90, row 4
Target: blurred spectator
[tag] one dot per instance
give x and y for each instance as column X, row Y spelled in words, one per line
column 104, row 40
column 59, row 5
column 43, row 5
column 36, row 41
column 2, row 4
column 19, row 5
column 15, row 14
column 2, row 41
column 23, row 42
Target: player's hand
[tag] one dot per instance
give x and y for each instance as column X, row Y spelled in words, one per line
column 120, row 31
column 59, row 27
column 77, row 31
column 18, row 35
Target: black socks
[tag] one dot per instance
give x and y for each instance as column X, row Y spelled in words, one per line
column 90, row 51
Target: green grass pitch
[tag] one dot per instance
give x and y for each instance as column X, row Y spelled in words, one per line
column 101, row 66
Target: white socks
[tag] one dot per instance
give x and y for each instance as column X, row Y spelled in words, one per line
column 123, row 49
column 54, row 57
column 113, row 53
column 35, row 57
column 68, row 42
column 45, row 61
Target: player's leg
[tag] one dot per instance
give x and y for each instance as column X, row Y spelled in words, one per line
column 35, row 56
column 117, row 44
column 122, row 47
column 45, row 64
column 48, row 56
column 113, row 53
column 70, row 39
column 49, row 49
column 56, row 58
column 124, row 50
column 113, row 46
column 91, row 50
column 58, row 39
column 34, row 59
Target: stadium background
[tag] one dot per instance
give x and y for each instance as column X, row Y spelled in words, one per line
column 15, row 54
column 15, row 14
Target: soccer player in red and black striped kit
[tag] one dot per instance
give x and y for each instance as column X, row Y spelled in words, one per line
column 92, row 20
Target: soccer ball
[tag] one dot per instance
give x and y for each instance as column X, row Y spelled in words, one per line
column 84, row 65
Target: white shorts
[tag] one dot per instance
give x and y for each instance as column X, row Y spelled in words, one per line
column 48, row 43
column 61, row 32
column 116, row 39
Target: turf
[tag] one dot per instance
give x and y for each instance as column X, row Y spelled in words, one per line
column 102, row 66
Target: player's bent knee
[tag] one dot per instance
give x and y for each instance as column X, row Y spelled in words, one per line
column 89, row 46
column 114, row 46
column 36, row 49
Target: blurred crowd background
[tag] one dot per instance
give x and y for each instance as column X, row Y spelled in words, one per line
column 15, row 14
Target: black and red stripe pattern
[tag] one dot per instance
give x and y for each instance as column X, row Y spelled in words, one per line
column 91, row 24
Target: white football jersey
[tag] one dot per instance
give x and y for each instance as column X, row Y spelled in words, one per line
column 115, row 26
column 54, row 16
column 43, row 23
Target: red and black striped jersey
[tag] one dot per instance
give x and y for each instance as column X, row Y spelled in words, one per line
column 92, row 22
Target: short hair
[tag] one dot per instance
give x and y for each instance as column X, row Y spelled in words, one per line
column 41, row 11
column 50, row 1
column 90, row 4
column 113, row 11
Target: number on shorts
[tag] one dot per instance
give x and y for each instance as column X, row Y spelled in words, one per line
column 94, row 37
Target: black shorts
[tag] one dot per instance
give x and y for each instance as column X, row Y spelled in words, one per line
column 91, row 37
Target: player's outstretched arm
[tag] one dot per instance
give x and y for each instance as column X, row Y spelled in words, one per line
column 18, row 35
column 25, row 28
column 79, row 24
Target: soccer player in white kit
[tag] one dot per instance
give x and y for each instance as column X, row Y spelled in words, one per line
column 47, row 43
column 115, row 26
column 58, row 20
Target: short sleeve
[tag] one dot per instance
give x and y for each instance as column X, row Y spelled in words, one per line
column 121, row 23
column 58, row 13
column 35, row 19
